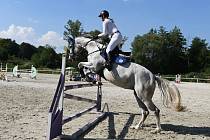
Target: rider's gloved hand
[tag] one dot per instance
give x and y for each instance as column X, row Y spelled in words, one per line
column 95, row 38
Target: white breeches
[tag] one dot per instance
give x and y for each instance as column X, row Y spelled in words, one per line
column 115, row 40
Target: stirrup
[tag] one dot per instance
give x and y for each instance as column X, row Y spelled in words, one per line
column 108, row 66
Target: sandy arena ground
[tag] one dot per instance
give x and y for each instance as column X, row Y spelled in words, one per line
column 24, row 105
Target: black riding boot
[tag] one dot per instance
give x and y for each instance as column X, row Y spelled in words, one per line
column 109, row 62
column 82, row 72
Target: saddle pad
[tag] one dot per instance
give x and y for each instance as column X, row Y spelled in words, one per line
column 120, row 59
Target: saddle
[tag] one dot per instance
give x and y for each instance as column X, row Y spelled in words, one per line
column 117, row 55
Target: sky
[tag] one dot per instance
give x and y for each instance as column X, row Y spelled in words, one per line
column 41, row 22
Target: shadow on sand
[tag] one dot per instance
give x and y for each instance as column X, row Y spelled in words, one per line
column 180, row 129
column 111, row 126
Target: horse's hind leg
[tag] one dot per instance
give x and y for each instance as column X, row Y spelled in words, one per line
column 145, row 112
column 152, row 107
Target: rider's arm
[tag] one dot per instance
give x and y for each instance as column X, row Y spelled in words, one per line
column 105, row 29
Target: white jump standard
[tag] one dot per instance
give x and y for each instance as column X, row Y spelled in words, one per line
column 55, row 118
column 3, row 73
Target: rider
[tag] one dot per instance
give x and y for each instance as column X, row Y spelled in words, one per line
column 110, row 29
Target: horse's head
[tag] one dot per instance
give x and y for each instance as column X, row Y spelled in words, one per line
column 92, row 47
column 81, row 42
column 74, row 46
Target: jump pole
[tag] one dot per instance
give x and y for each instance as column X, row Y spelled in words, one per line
column 55, row 117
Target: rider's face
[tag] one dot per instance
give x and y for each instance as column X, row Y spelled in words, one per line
column 102, row 18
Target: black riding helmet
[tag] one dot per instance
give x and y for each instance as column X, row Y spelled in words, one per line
column 104, row 13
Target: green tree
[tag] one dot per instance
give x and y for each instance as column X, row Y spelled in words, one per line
column 160, row 51
column 73, row 29
column 176, row 38
column 207, row 68
column 164, row 48
column 3, row 54
column 198, row 55
column 46, row 57
column 10, row 47
column 26, row 50
column 146, row 50
column 176, row 53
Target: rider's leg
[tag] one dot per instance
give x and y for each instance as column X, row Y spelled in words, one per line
column 109, row 61
column 82, row 72
column 115, row 40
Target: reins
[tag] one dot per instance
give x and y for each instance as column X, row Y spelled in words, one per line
column 99, row 49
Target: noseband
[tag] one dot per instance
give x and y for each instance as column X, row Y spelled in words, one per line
column 99, row 49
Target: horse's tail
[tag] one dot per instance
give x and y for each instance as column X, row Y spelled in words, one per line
column 170, row 94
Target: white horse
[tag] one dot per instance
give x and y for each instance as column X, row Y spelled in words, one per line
column 131, row 76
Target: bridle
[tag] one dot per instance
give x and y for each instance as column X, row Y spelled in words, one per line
column 84, row 47
column 99, row 49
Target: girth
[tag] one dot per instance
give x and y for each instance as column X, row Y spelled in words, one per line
column 115, row 32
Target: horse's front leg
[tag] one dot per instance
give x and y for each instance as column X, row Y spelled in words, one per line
column 88, row 65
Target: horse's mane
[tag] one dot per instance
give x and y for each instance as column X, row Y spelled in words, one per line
column 100, row 40
column 89, row 36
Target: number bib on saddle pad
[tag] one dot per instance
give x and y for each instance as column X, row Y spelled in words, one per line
column 119, row 59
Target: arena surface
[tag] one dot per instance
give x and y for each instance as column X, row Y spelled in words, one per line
column 24, row 105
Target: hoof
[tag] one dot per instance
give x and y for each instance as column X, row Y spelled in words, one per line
column 136, row 127
column 157, row 130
